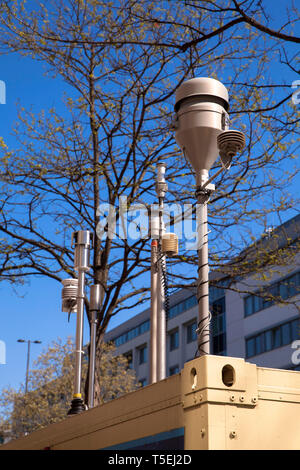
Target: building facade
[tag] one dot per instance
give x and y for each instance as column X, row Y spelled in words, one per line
column 244, row 324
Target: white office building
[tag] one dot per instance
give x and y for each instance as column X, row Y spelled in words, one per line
column 259, row 329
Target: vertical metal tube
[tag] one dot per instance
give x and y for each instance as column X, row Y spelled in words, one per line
column 96, row 299
column 92, row 360
column 83, row 240
column 161, row 326
column 203, row 283
column 154, row 309
column 161, row 317
column 79, row 334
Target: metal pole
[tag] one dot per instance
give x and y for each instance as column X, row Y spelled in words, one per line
column 96, row 299
column 79, row 334
column 27, row 366
column 203, row 272
column 83, row 240
column 92, row 360
column 161, row 317
column 154, row 307
column 161, row 327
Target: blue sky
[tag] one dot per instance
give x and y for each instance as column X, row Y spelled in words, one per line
column 31, row 311
column 34, row 311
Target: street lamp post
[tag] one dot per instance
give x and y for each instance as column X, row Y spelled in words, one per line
column 28, row 357
column 202, row 132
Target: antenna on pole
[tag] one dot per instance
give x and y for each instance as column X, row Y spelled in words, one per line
column 201, row 131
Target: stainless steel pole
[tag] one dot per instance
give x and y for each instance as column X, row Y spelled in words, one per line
column 83, row 239
column 154, row 309
column 79, row 334
column 92, row 360
column 96, row 298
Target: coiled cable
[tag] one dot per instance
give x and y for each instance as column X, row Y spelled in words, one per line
column 203, row 327
column 164, row 280
column 203, row 331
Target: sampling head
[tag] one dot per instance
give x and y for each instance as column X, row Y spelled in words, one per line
column 161, row 185
column 83, row 240
column 201, row 107
column 96, row 293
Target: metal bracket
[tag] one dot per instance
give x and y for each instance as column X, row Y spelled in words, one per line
column 203, row 193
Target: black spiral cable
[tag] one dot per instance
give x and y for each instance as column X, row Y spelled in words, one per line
column 203, row 326
column 164, row 280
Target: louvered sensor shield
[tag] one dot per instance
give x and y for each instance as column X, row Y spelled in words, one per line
column 230, row 142
column 169, row 244
column 69, row 295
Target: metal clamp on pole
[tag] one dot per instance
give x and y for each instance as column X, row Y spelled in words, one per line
column 83, row 242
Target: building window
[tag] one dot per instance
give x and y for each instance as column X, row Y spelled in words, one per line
column 174, row 340
column 273, row 338
column 191, row 334
column 189, row 302
column 216, row 292
column 250, row 347
column 173, row 370
column 142, row 355
column 219, row 344
column 132, row 333
column 128, row 356
column 182, row 306
column 284, row 289
column 218, row 327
